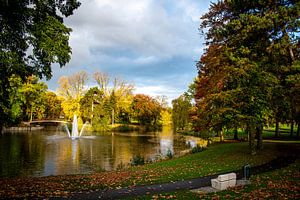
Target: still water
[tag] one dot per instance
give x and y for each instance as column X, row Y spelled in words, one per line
column 44, row 153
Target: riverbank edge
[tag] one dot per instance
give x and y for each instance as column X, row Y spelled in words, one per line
column 66, row 185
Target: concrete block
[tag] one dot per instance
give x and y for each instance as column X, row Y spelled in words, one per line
column 223, row 177
column 219, row 185
column 231, row 176
column 224, row 181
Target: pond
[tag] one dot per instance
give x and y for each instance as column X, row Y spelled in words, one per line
column 44, row 153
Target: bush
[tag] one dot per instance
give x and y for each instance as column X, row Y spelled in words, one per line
column 137, row 160
column 197, row 149
column 126, row 128
column 169, row 154
column 101, row 124
column 123, row 128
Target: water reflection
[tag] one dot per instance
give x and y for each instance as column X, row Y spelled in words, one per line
column 166, row 141
column 53, row 153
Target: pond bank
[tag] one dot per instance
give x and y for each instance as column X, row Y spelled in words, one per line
column 277, row 163
column 216, row 159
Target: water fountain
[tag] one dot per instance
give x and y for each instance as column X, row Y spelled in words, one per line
column 75, row 133
column 67, row 129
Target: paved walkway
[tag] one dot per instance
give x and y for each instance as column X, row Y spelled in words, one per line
column 179, row 185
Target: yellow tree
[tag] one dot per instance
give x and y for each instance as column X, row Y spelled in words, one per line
column 72, row 88
column 118, row 94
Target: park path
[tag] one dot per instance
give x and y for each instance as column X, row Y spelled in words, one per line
column 277, row 163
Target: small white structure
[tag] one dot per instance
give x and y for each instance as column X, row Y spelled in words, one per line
column 224, row 181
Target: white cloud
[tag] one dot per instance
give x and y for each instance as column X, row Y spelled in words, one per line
column 156, row 90
column 142, row 27
column 139, row 40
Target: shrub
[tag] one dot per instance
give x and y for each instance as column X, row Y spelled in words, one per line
column 169, row 154
column 137, row 160
column 197, row 149
column 126, row 128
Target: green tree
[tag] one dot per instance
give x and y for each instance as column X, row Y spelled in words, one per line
column 16, row 99
column 34, row 93
column 251, row 45
column 32, row 37
column 91, row 105
column 293, row 81
column 28, row 100
column 53, row 108
column 122, row 94
column 118, row 96
column 214, row 104
column 181, row 112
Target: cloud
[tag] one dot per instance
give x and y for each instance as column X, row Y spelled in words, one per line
column 152, row 43
column 142, row 27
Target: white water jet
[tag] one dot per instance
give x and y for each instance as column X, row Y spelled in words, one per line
column 82, row 128
column 67, row 129
column 75, row 133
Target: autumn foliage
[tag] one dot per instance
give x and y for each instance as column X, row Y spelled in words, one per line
column 244, row 76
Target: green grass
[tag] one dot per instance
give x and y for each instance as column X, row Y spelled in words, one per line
column 278, row 184
column 284, row 133
column 218, row 158
column 268, row 132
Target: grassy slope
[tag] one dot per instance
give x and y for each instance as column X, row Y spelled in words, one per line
column 279, row 184
column 217, row 159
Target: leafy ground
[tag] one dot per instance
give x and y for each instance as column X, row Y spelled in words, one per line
column 278, row 184
column 216, row 159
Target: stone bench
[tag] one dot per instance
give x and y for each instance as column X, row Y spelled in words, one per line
column 224, row 181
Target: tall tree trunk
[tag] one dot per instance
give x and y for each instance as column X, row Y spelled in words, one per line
column 235, row 137
column 251, row 137
column 31, row 115
column 298, row 129
column 221, row 136
column 247, row 133
column 277, row 128
column 292, row 127
column 1, row 127
column 259, row 145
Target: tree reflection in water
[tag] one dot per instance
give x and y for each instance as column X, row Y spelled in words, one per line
column 43, row 153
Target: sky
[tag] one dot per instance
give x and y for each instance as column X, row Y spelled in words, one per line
column 153, row 44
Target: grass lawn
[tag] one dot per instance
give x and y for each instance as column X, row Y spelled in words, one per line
column 278, row 184
column 268, row 133
column 218, row 158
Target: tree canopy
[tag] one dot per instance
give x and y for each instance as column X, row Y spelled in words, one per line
column 146, row 109
column 181, row 112
column 32, row 37
column 253, row 51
